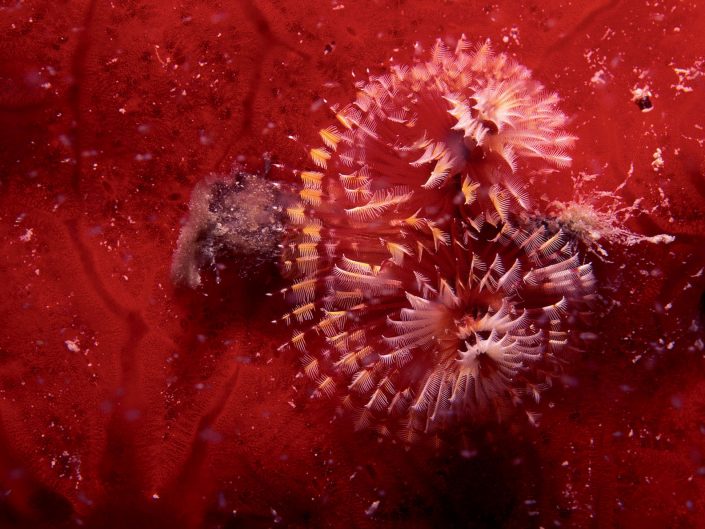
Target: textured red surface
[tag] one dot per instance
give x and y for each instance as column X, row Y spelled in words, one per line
column 125, row 403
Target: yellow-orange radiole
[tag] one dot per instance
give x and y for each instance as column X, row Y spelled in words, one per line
column 421, row 293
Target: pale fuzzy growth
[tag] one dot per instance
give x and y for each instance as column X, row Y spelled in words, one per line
column 234, row 220
column 419, row 296
column 597, row 219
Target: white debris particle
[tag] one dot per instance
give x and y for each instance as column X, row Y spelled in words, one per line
column 372, row 508
column 73, row 345
column 599, row 64
column 512, row 35
column 275, row 515
column 27, row 235
column 690, row 73
column 598, row 77
column 662, row 238
column 657, row 163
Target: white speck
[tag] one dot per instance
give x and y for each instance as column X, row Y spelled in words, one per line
column 73, row 345
column 598, row 77
column 27, row 235
column 122, row 110
column 657, row 163
column 372, row 508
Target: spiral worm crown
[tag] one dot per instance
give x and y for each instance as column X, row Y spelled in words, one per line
column 420, row 293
